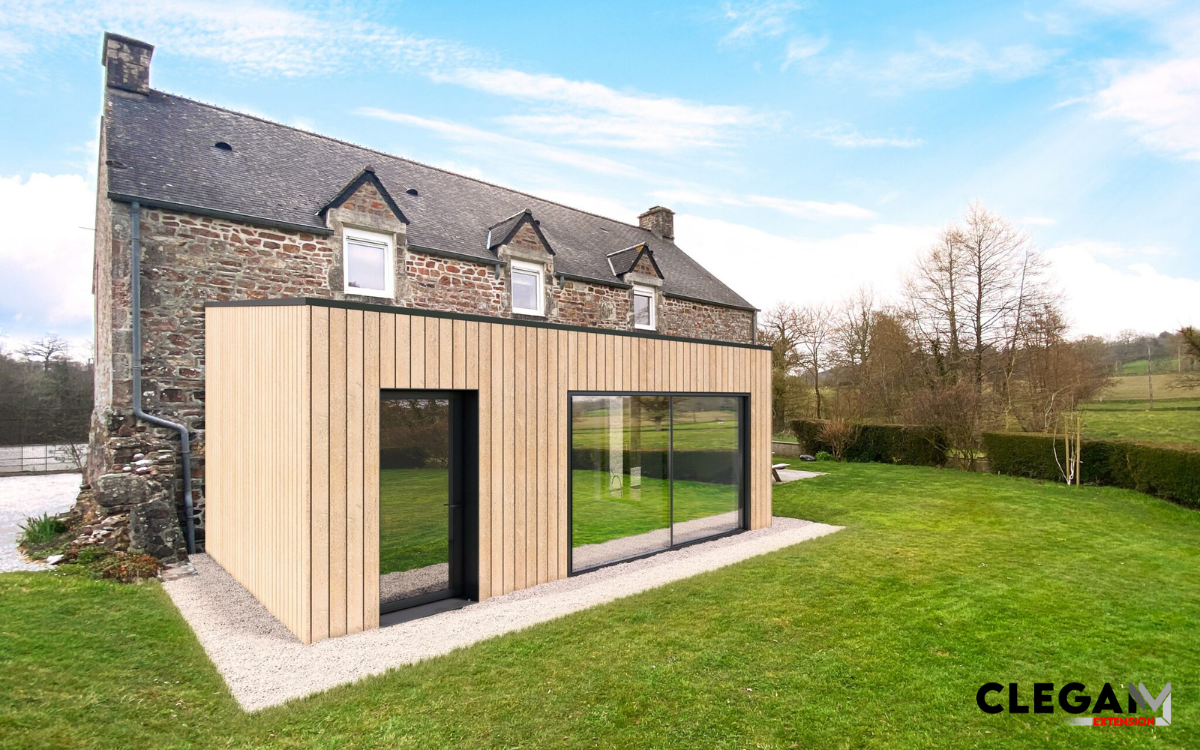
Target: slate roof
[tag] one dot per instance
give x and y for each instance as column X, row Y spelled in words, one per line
column 164, row 154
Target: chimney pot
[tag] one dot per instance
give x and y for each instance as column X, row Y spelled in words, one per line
column 660, row 221
column 127, row 63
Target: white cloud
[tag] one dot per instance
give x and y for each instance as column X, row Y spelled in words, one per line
column 1038, row 221
column 699, row 195
column 1148, row 300
column 592, row 113
column 766, row 268
column 758, row 20
column 802, row 48
column 811, row 209
column 1162, row 102
column 934, row 64
column 46, row 255
column 844, row 136
column 252, row 37
column 471, row 137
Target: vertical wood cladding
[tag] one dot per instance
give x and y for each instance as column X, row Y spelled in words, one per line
column 293, row 401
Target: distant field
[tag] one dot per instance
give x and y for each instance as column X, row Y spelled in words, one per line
column 1138, row 367
column 1171, row 421
column 1136, row 387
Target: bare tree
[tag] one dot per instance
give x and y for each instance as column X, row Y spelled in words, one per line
column 47, row 350
column 814, row 327
column 933, row 293
column 999, row 280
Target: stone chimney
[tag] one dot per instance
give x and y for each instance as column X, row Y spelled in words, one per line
column 127, row 63
column 660, row 221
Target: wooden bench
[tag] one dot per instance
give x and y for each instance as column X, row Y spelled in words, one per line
column 775, row 471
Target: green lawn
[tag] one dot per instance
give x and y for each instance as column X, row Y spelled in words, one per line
column 1170, row 421
column 1138, row 387
column 599, row 516
column 413, row 519
column 877, row 636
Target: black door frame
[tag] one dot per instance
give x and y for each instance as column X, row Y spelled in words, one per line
column 463, row 508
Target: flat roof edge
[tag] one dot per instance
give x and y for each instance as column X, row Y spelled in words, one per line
column 369, row 307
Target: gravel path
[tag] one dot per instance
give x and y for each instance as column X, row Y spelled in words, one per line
column 590, row 555
column 24, row 496
column 409, row 583
column 264, row 665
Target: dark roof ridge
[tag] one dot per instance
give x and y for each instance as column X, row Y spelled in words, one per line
column 625, row 250
column 506, row 219
column 399, row 158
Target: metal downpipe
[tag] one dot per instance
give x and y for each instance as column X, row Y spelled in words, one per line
column 185, row 447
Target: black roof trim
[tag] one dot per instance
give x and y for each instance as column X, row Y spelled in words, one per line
column 366, row 175
column 518, row 220
column 451, row 254
column 344, row 305
column 218, row 214
column 697, row 300
column 643, row 249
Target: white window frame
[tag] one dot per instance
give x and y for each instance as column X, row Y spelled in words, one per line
column 539, row 273
column 389, row 271
column 646, row 291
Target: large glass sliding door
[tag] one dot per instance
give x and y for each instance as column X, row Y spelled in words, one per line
column 649, row 472
column 707, row 466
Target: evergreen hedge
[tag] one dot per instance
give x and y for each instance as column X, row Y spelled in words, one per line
column 879, row 443
column 1169, row 472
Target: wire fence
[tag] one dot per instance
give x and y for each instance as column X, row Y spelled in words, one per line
column 38, row 459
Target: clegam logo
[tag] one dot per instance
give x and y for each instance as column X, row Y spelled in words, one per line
column 1073, row 699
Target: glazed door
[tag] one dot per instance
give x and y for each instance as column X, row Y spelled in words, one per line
column 420, row 499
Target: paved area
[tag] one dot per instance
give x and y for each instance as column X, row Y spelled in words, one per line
column 264, row 665
column 24, row 496
column 791, row 475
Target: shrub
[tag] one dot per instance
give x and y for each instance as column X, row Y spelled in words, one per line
column 128, row 567
column 41, row 529
column 1169, row 472
column 824, row 456
column 879, row 443
column 839, row 435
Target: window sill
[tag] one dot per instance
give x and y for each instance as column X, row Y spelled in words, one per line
column 529, row 313
column 368, row 293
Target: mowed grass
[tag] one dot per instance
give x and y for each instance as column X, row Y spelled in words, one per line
column 413, row 518
column 877, row 636
column 1138, row 387
column 600, row 515
column 694, row 431
column 1170, row 421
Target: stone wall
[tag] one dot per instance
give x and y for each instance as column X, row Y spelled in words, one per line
column 680, row 317
column 579, row 303
column 453, row 285
column 189, row 259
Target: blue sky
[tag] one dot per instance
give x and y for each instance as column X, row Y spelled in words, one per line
column 808, row 148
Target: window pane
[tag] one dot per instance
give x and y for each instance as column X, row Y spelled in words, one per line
column 641, row 310
column 525, row 290
column 708, row 466
column 414, row 495
column 620, row 492
column 365, row 264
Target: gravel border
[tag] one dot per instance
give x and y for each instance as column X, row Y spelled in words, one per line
column 265, row 665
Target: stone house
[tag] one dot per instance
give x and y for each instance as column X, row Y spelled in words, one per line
column 225, row 209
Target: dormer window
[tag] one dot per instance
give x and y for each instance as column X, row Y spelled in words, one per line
column 643, row 308
column 528, row 294
column 368, row 259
